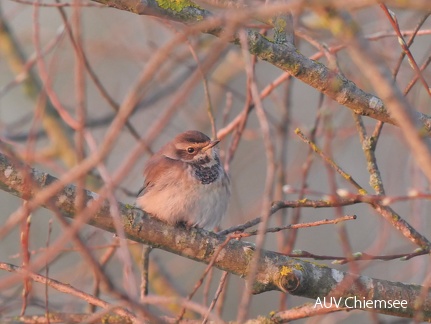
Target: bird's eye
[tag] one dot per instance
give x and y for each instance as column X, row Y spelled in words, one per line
column 190, row 150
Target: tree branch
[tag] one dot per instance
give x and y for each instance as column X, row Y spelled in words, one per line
column 275, row 271
column 283, row 55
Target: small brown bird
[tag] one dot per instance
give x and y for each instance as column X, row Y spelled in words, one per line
column 186, row 183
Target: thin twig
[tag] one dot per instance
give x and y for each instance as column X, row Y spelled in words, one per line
column 306, row 167
column 297, row 226
column 390, row 215
column 207, row 269
column 358, row 256
column 330, row 161
column 269, row 180
column 48, row 239
column 409, row 43
column 65, row 288
column 206, row 91
column 220, row 289
column 393, row 20
column 146, row 250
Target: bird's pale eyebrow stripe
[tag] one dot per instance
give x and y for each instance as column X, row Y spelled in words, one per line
column 184, row 146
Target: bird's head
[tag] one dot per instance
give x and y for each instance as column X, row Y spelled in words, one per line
column 192, row 147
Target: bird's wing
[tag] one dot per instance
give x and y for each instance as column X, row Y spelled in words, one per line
column 141, row 191
column 152, row 171
column 148, row 181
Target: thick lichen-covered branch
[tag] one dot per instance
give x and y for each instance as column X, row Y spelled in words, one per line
column 275, row 272
column 179, row 10
column 283, row 55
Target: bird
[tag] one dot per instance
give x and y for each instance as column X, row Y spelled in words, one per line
column 185, row 183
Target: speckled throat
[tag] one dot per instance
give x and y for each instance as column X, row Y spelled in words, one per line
column 206, row 174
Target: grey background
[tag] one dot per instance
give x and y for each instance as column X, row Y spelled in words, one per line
column 118, row 45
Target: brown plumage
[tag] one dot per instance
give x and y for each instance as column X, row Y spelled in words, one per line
column 185, row 182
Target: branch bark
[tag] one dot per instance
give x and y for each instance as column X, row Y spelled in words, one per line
column 275, row 271
column 282, row 55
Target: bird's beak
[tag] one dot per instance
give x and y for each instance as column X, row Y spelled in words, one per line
column 210, row 145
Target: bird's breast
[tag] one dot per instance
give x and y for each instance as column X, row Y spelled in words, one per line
column 205, row 174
